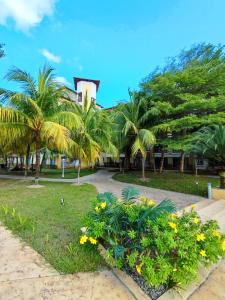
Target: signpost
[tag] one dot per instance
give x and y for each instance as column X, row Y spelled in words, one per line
column 63, row 166
column 77, row 165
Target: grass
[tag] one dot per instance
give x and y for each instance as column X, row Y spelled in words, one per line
column 69, row 173
column 54, row 173
column 51, row 229
column 171, row 181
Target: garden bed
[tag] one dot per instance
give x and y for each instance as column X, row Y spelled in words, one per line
column 151, row 244
column 133, row 282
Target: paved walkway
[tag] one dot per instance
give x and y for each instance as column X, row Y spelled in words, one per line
column 104, row 183
column 213, row 287
column 24, row 275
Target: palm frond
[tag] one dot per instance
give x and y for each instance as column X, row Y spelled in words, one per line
column 130, row 193
column 28, row 83
column 55, row 134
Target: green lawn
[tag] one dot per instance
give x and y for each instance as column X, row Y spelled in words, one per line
column 54, row 173
column 172, row 181
column 51, row 227
column 69, row 173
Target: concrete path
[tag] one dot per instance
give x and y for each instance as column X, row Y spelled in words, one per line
column 213, row 287
column 24, row 275
column 104, row 183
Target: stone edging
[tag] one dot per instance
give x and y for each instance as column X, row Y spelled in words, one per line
column 128, row 282
column 172, row 294
column 185, row 294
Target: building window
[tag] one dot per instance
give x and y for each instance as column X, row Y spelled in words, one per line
column 79, row 97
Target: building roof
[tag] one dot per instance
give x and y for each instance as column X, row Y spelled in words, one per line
column 110, row 108
column 77, row 79
column 70, row 89
column 99, row 105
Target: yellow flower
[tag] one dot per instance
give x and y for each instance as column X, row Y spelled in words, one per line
column 93, row 241
column 216, row 233
column 202, row 253
column 97, row 209
column 174, row 216
column 83, row 239
column 223, row 245
column 193, row 206
column 174, row 270
column 173, row 226
column 151, row 203
column 138, row 268
column 143, row 199
column 103, row 205
column 195, row 220
column 200, row 237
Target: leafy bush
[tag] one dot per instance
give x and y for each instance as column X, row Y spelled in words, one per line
column 14, row 220
column 151, row 240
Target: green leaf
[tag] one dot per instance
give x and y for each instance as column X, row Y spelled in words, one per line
column 108, row 197
column 119, row 251
column 130, row 193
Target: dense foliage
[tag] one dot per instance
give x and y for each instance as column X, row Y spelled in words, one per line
column 152, row 240
column 186, row 95
column 211, row 145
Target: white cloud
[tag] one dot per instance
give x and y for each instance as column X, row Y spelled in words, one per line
column 50, row 56
column 80, row 68
column 62, row 80
column 25, row 13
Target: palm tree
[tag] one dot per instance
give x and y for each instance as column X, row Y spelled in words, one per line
column 94, row 135
column 211, row 145
column 36, row 113
column 2, row 53
column 130, row 119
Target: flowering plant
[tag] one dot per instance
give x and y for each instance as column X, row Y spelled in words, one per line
column 152, row 240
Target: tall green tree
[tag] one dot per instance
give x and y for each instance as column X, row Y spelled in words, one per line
column 36, row 113
column 130, row 119
column 192, row 85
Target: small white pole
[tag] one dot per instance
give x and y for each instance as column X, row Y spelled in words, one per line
column 63, row 167
column 209, row 190
column 78, row 175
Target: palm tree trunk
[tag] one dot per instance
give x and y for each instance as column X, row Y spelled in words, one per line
column 143, row 167
column 152, row 158
column 27, row 160
column 38, row 155
column 162, row 161
column 120, row 165
column 6, row 162
column 182, row 156
column 43, row 160
column 128, row 158
column 222, row 180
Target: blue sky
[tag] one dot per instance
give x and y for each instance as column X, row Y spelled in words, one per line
column 117, row 42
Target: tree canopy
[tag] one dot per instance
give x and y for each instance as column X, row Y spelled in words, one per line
column 187, row 94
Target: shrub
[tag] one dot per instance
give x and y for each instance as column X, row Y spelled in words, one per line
column 151, row 240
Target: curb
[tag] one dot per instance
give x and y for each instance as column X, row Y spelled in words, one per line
column 128, row 282
column 185, row 294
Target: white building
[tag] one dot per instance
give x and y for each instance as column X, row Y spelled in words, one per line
column 84, row 87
